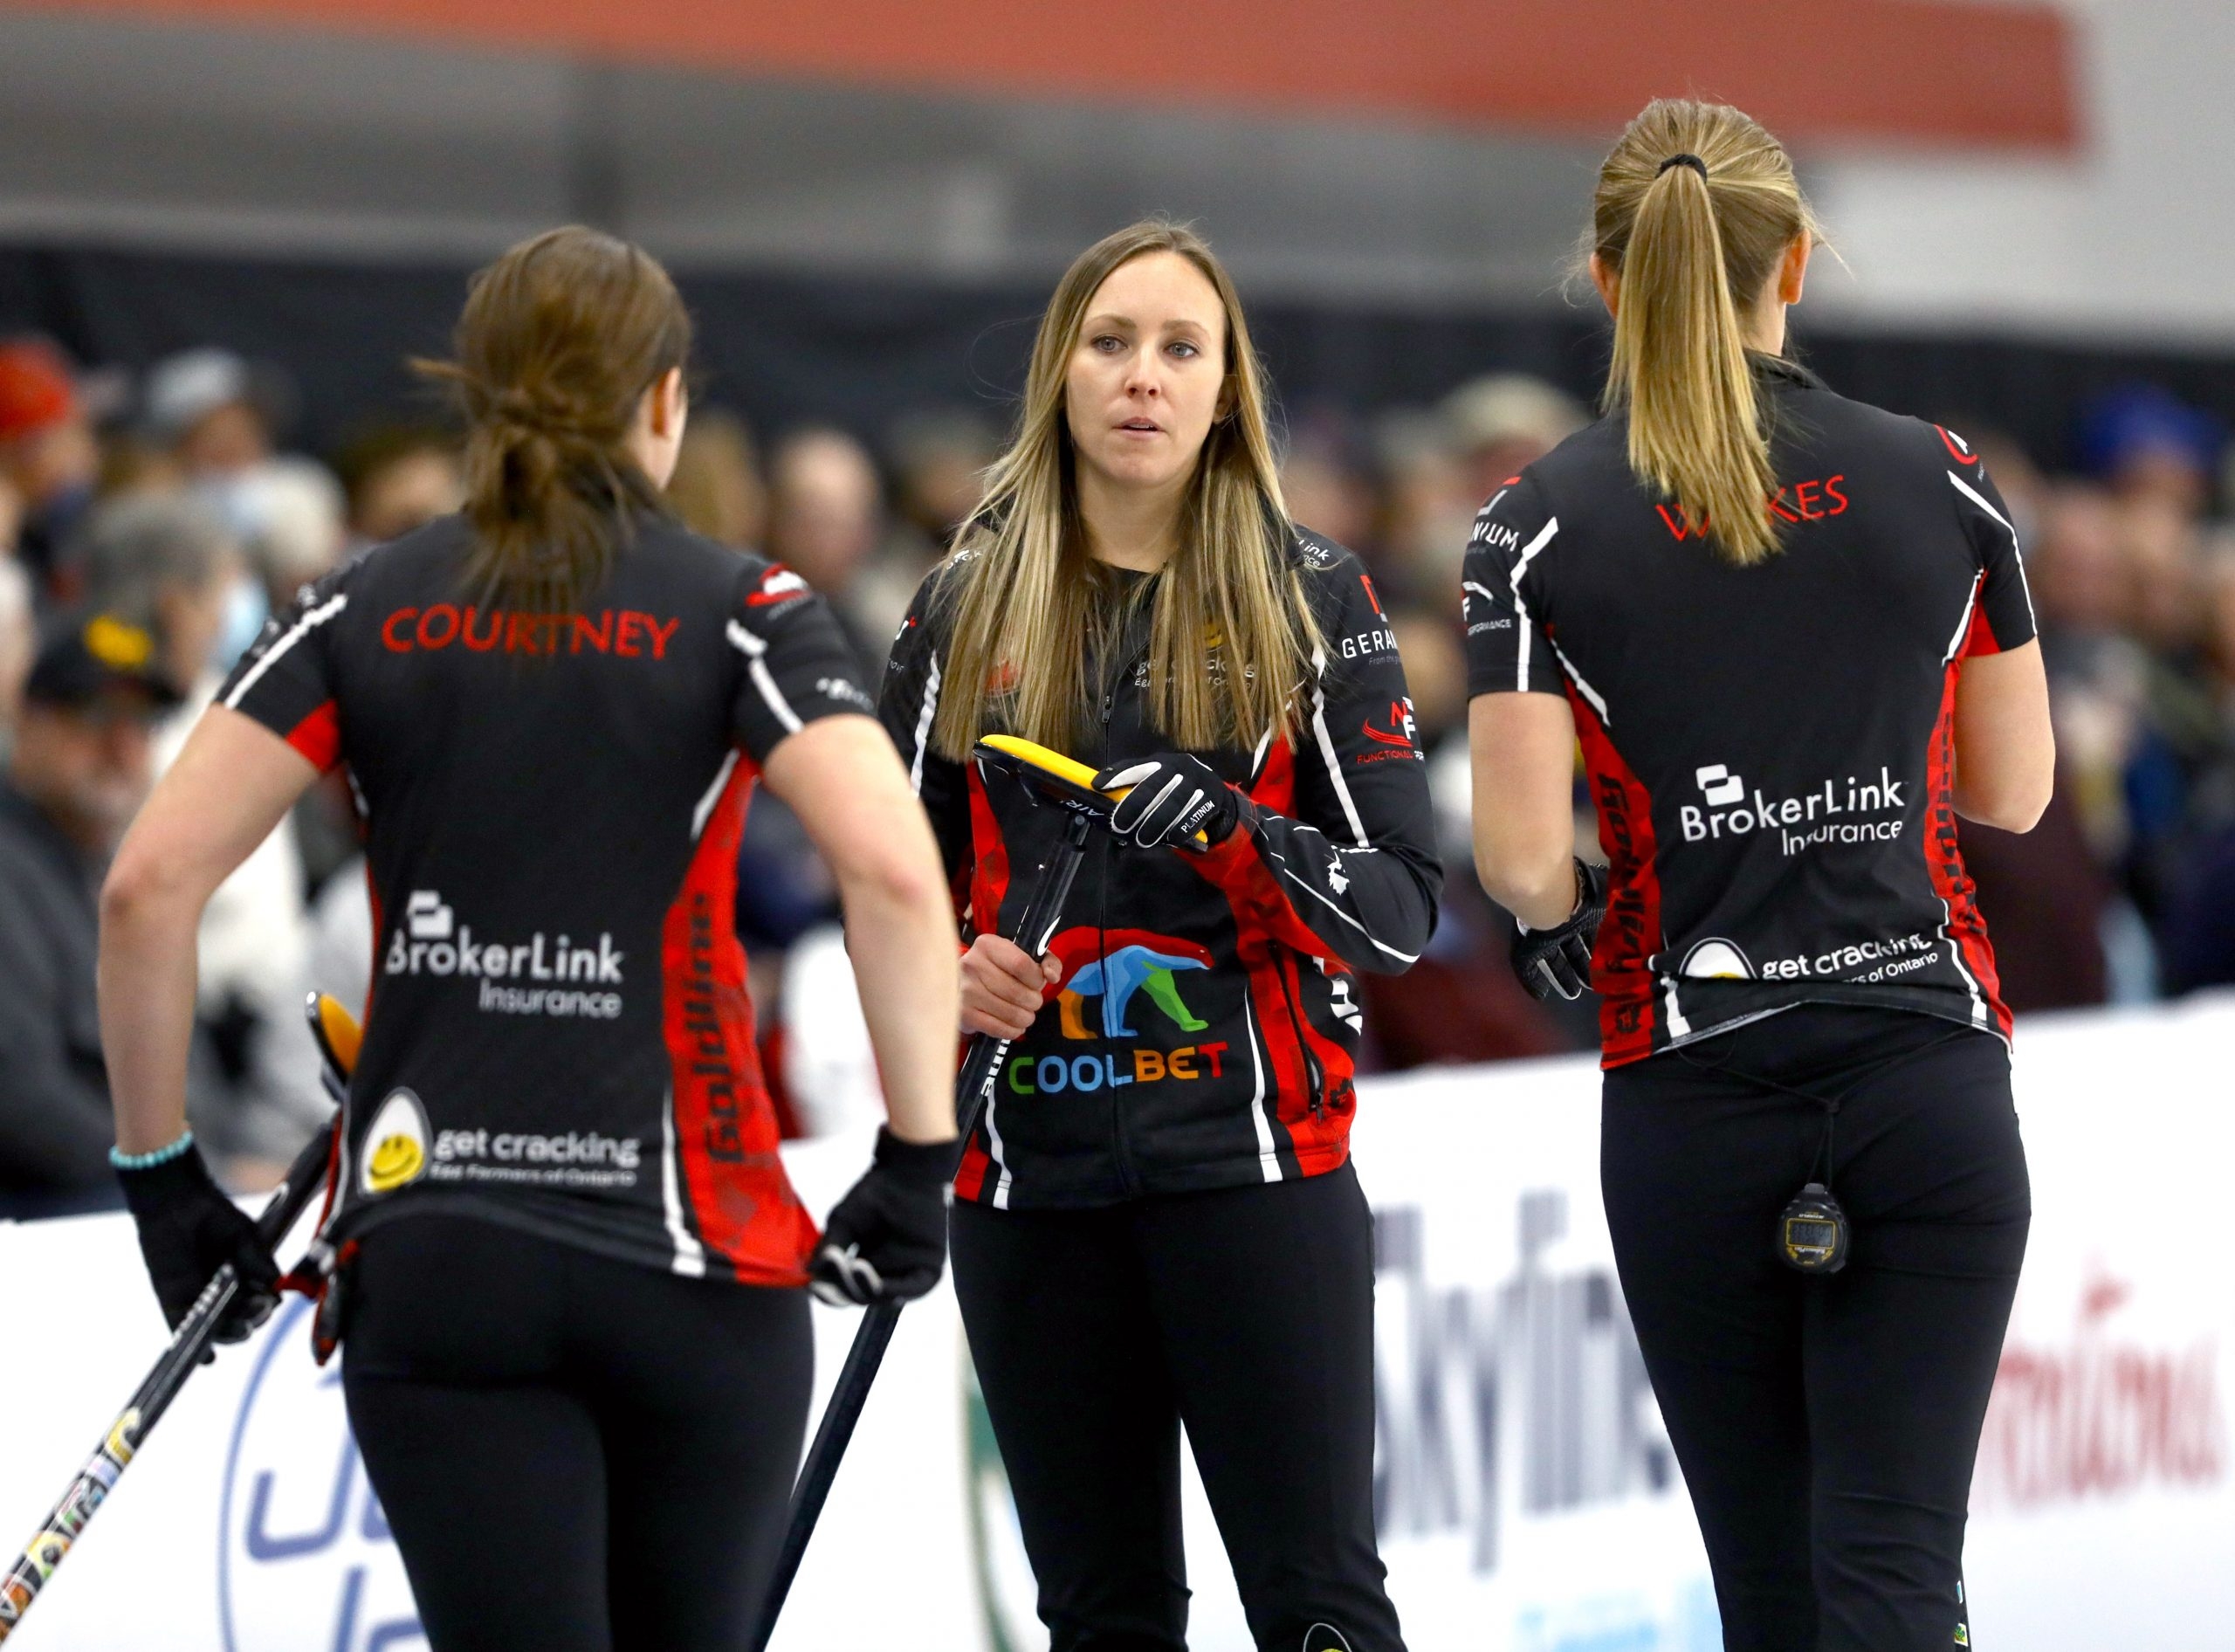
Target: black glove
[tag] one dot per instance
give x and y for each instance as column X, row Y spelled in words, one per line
column 1557, row 962
column 187, row 1230
column 886, row 1239
column 1173, row 796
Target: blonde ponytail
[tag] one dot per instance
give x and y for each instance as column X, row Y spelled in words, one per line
column 1695, row 206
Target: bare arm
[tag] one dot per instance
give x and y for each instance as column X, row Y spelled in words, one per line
column 1523, row 751
column 230, row 786
column 2006, row 750
column 844, row 780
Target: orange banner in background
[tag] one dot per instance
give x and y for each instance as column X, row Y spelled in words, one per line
column 1906, row 73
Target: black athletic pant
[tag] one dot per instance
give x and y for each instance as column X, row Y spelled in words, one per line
column 576, row 1455
column 1827, row 1425
column 1247, row 1313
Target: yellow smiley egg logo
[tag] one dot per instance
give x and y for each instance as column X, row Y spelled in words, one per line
column 395, row 1161
column 395, row 1146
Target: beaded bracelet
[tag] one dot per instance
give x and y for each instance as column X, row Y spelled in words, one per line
column 163, row 1155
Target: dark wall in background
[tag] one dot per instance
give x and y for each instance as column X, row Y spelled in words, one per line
column 786, row 348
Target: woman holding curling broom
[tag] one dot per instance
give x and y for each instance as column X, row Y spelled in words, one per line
column 1158, row 1222
column 1793, row 634
column 576, row 1349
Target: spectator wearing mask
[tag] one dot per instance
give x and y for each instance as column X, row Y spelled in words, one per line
column 172, row 567
column 79, row 769
column 50, row 460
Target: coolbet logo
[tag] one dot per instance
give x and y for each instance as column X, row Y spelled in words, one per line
column 395, row 1146
column 432, row 942
column 1815, row 814
column 1118, row 968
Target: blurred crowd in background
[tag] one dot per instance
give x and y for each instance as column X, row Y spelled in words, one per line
column 147, row 530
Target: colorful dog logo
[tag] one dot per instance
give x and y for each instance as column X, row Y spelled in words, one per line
column 1116, row 965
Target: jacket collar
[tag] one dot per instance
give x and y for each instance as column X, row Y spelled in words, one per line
column 1783, row 370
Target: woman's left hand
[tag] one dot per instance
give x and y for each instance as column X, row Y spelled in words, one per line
column 1172, row 797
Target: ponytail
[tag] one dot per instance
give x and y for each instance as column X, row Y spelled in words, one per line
column 1695, row 206
column 560, row 340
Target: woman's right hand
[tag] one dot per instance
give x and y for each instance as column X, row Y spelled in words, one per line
column 1002, row 986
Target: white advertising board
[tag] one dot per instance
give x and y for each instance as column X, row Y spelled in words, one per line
column 1528, row 1502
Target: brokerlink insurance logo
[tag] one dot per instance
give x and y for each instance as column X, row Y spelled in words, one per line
column 1852, row 810
column 555, row 976
column 304, row 1560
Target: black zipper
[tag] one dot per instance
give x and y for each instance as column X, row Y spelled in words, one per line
column 1315, row 1101
column 1119, row 1145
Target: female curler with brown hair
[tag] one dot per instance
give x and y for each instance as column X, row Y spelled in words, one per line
column 568, row 1263
column 1792, row 635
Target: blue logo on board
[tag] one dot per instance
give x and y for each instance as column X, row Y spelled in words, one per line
column 304, row 1560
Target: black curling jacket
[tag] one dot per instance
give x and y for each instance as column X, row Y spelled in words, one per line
column 1203, row 1030
column 1771, row 749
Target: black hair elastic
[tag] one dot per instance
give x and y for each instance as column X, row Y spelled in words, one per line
column 1691, row 161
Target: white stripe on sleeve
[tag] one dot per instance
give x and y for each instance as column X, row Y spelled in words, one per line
column 1327, row 747
column 302, row 628
column 1520, row 604
column 2016, row 549
column 756, row 653
column 923, row 726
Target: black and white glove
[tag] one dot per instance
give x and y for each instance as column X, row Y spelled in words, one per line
column 1556, row 962
column 1173, row 797
column 886, row 1239
column 187, row 1230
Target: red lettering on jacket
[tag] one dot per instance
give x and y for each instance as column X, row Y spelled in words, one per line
column 624, row 631
column 1814, row 500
